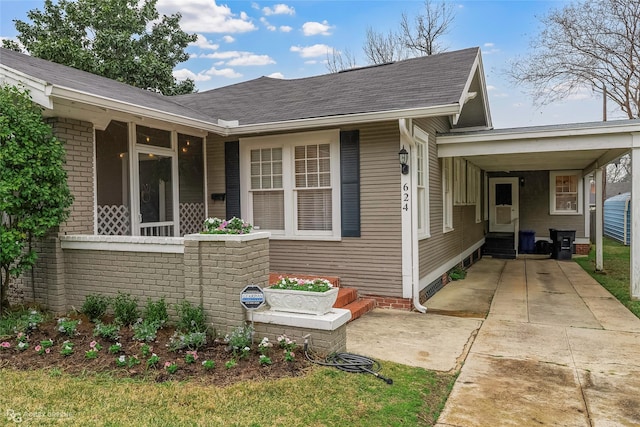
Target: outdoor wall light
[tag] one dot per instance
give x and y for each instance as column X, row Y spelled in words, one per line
column 403, row 155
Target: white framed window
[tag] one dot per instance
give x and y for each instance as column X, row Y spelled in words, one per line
column 290, row 184
column 565, row 193
column 421, row 140
column 447, row 194
column 460, row 181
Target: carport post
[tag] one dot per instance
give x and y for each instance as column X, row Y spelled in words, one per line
column 635, row 217
column 598, row 228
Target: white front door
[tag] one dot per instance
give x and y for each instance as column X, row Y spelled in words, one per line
column 503, row 205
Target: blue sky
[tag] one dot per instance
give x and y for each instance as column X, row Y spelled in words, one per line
column 243, row 40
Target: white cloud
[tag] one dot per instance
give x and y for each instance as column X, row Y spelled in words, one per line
column 285, row 28
column 222, row 55
column 276, row 75
column 267, row 24
column 249, row 59
column 203, row 43
column 312, row 51
column 489, row 45
column 184, row 73
column 224, row 72
column 489, row 48
column 279, row 9
column 316, row 28
column 228, row 39
column 205, row 16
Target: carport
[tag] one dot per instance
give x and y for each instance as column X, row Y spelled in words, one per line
column 586, row 147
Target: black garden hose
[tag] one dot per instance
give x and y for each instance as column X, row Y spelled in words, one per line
column 348, row 362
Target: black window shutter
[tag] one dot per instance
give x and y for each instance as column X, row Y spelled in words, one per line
column 350, row 182
column 232, row 178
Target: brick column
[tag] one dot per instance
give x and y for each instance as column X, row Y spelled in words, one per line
column 218, row 267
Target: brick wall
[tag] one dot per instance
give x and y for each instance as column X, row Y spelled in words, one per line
column 320, row 342
column 78, row 143
column 143, row 275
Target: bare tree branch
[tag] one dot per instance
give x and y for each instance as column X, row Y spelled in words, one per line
column 339, row 61
column 423, row 35
column 381, row 48
column 591, row 45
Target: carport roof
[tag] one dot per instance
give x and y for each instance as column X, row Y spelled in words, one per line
column 576, row 146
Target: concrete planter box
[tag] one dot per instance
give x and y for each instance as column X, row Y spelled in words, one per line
column 291, row 301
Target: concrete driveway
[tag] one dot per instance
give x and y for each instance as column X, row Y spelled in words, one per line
column 555, row 348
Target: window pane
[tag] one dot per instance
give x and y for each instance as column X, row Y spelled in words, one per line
column 268, row 210
column 314, row 210
column 150, row 136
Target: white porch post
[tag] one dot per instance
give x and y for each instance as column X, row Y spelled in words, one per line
column 599, row 208
column 635, row 218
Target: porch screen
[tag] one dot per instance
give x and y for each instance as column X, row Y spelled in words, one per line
column 313, row 187
column 112, row 175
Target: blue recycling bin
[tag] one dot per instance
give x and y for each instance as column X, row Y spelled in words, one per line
column 527, row 242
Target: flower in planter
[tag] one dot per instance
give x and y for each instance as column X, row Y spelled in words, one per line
column 232, row 226
column 295, row 284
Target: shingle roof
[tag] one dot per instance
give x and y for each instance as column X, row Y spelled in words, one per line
column 71, row 78
column 429, row 81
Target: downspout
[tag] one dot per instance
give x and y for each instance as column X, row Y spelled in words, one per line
column 407, row 138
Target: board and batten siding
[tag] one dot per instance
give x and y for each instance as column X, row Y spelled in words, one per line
column 372, row 262
column 441, row 247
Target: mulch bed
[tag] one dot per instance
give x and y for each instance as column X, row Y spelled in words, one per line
column 77, row 363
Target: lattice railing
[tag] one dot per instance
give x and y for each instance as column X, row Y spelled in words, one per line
column 191, row 217
column 114, row 220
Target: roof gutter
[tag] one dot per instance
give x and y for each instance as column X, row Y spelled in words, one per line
column 134, row 109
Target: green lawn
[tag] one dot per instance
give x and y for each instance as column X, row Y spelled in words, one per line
column 326, row 397
column 615, row 277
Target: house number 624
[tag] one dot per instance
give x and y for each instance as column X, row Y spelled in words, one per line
column 405, row 197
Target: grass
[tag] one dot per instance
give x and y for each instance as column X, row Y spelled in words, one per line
column 615, row 277
column 325, row 397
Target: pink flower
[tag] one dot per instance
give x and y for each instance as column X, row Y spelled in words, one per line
column 5, row 344
column 38, row 348
column 167, row 364
column 92, row 344
column 47, row 350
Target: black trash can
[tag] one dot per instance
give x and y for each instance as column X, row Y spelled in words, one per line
column 527, row 242
column 562, row 243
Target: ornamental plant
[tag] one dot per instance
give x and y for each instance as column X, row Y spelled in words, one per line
column 22, row 341
column 208, row 364
column 107, row 331
column 265, row 360
column 191, row 356
column 67, row 348
column 152, row 361
column 295, row 284
column 170, row 367
column 146, row 350
column 231, row 226
column 34, row 195
column 264, row 346
column 67, row 326
column 44, row 347
column 5, row 345
column 94, row 349
column 115, row 348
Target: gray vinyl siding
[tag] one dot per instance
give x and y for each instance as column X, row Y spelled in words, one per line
column 215, row 174
column 534, row 206
column 441, row 247
column 373, row 262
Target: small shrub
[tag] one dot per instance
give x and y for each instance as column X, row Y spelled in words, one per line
column 95, row 306
column 67, row 348
column 67, row 326
column 192, row 341
column 145, row 330
column 107, row 331
column 190, row 318
column 230, row 363
column 265, row 360
column 125, row 309
column 240, row 339
column 191, row 356
column 146, row 350
column 171, row 367
column 208, row 364
column 457, row 273
column 156, row 312
column 152, row 361
column 23, row 321
column 115, row 348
